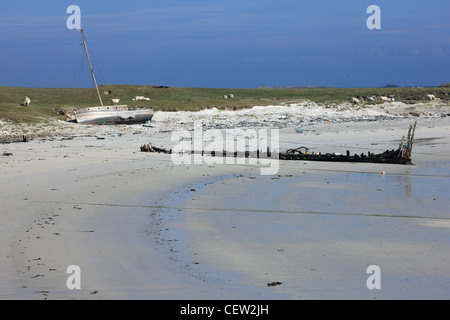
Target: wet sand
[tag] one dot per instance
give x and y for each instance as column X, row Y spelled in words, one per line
column 316, row 227
column 141, row 227
column 320, row 229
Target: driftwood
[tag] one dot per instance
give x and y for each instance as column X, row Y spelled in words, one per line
column 150, row 148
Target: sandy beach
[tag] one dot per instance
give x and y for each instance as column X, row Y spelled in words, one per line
column 140, row 226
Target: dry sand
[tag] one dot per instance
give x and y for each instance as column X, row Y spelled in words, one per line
column 141, row 227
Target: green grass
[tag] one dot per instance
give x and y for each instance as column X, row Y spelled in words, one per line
column 44, row 101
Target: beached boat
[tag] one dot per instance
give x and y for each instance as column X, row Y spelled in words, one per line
column 112, row 115
column 116, row 114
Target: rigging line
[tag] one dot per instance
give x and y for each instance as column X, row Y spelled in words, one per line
column 83, row 63
column 96, row 65
column 81, row 66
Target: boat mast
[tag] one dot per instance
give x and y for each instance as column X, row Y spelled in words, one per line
column 92, row 71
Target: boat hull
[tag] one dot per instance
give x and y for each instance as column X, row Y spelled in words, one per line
column 112, row 115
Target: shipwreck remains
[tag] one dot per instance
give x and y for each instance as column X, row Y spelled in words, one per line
column 402, row 155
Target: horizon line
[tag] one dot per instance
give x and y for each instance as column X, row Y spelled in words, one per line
column 388, row 86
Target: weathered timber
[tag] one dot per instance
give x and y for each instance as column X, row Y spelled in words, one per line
column 389, row 156
column 150, row 148
column 402, row 155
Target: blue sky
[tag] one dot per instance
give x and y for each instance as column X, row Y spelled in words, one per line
column 226, row 44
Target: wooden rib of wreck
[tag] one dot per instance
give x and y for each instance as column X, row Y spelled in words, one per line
column 400, row 156
column 109, row 114
column 389, row 156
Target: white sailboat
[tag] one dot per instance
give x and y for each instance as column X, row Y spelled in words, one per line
column 117, row 114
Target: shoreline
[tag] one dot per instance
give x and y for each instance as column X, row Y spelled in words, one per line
column 88, row 200
column 298, row 115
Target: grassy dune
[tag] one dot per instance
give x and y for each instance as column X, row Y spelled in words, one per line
column 45, row 101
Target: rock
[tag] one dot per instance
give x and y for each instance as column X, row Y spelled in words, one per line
column 273, row 284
